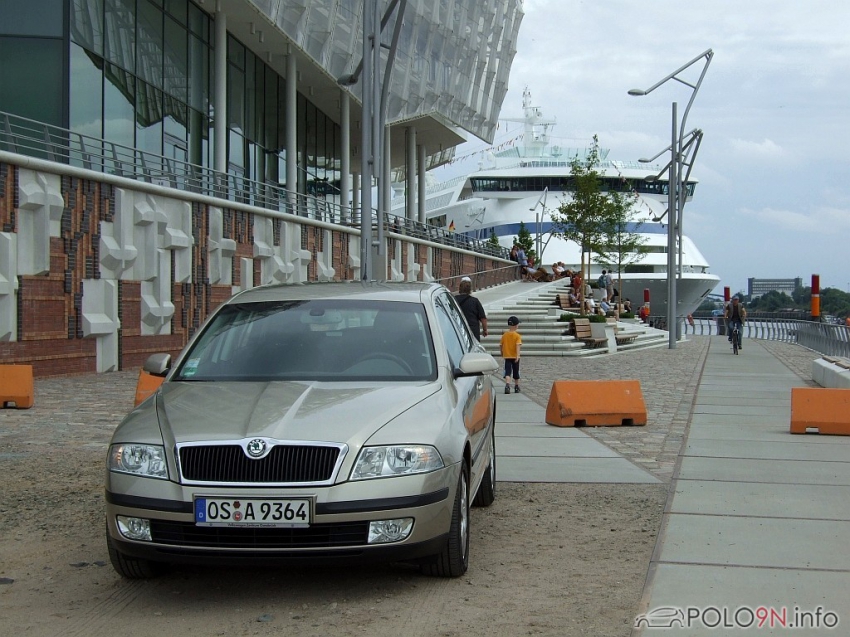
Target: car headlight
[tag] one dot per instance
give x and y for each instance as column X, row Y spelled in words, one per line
column 397, row 460
column 140, row 460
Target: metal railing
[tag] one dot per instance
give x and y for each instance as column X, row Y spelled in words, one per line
column 484, row 278
column 825, row 338
column 29, row 137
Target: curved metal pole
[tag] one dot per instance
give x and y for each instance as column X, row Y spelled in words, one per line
column 383, row 194
column 687, row 158
column 675, row 187
column 671, row 239
column 368, row 152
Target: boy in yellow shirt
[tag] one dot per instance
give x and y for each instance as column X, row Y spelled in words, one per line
column 510, row 345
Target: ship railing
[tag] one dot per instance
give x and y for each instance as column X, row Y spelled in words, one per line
column 22, row 136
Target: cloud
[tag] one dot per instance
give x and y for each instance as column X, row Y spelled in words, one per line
column 820, row 221
column 767, row 149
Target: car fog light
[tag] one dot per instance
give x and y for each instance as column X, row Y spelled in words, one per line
column 384, row 531
column 134, row 528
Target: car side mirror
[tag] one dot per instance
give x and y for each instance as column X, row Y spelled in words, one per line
column 157, row 364
column 475, row 364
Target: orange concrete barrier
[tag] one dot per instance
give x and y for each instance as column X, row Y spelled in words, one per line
column 146, row 385
column 820, row 410
column 595, row 403
column 16, row 386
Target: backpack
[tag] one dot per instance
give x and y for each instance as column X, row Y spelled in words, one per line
column 601, row 282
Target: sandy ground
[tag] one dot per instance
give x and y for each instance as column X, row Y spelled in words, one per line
column 546, row 559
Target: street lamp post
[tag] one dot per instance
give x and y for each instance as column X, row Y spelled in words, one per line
column 676, row 198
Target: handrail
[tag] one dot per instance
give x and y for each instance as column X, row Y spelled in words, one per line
column 24, row 136
column 826, row 338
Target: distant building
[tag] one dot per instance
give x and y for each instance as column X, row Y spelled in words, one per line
column 758, row 287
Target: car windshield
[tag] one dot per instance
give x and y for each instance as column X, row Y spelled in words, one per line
column 327, row 340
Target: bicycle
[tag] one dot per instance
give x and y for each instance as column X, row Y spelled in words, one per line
column 735, row 333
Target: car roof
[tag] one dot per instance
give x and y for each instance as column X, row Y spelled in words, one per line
column 366, row 290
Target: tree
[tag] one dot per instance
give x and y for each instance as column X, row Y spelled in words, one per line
column 834, row 301
column 772, row 301
column 584, row 218
column 620, row 246
column 802, row 296
column 707, row 305
column 493, row 240
column 525, row 241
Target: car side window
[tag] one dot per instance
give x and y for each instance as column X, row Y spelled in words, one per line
column 454, row 346
column 459, row 322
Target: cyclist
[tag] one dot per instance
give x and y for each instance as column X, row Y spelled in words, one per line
column 735, row 316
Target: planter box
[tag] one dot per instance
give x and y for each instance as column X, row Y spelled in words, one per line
column 597, row 330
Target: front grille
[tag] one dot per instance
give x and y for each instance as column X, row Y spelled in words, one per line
column 283, row 464
column 316, row 536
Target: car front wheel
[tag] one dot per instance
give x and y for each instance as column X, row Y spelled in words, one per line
column 487, row 490
column 131, row 567
column 453, row 560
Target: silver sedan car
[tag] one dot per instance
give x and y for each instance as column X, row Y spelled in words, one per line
column 313, row 423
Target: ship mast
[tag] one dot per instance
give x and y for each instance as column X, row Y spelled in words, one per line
column 536, row 127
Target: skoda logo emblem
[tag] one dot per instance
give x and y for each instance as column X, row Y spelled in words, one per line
column 256, row 447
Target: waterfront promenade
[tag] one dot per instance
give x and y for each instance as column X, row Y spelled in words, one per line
column 755, row 517
column 756, row 520
column 754, row 530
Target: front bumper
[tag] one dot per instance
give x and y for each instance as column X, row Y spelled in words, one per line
column 338, row 532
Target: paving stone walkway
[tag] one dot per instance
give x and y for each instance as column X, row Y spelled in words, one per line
column 669, row 381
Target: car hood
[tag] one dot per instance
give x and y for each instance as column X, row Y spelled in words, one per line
column 331, row 412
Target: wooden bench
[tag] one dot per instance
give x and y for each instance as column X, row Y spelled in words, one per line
column 625, row 339
column 622, row 339
column 581, row 330
column 564, row 301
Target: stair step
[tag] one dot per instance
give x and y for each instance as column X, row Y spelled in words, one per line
column 542, row 332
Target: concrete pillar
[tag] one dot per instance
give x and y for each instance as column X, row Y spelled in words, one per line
column 220, row 128
column 355, row 196
column 421, row 168
column 386, row 174
column 410, row 194
column 345, row 152
column 291, row 133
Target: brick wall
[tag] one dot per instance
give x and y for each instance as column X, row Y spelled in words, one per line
column 49, row 306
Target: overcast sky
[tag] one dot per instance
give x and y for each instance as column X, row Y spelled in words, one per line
column 773, row 199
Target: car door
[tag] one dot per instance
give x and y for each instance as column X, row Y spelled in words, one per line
column 474, row 391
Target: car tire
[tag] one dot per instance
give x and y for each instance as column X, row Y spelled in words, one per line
column 131, row 567
column 487, row 489
column 453, row 560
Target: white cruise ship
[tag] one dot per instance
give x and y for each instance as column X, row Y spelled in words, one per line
column 525, row 181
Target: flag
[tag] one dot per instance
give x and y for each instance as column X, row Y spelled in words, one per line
column 452, row 226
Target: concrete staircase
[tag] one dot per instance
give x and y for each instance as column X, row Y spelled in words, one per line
column 542, row 332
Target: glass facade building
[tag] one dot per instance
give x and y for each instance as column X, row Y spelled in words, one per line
column 142, row 74
column 159, row 156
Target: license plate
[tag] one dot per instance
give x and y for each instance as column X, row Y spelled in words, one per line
column 252, row 512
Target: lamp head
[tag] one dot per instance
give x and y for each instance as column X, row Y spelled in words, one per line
column 644, row 160
column 651, row 178
column 637, row 92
